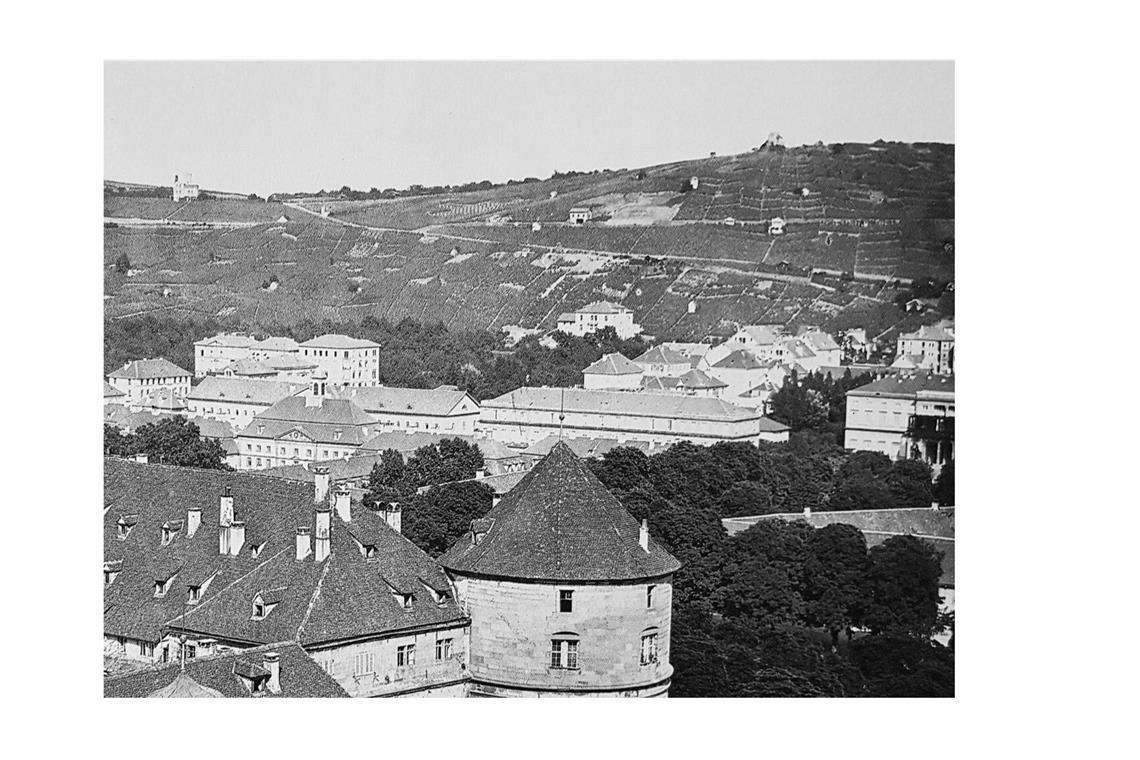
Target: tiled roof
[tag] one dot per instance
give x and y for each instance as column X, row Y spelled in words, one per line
column 662, row 355
column 583, row 447
column 798, row 348
column 659, row 383
column 339, row 598
column 694, row 378
column 218, row 676
column 906, row 384
column 765, row 335
column 207, row 428
column 934, row 526
column 339, row 469
column 319, row 423
column 110, row 391
column 578, row 401
column 769, row 425
column 227, row 340
column 330, row 340
column 613, row 364
column 407, row 443
column 743, row 359
column 560, row 524
column 163, row 399
column 602, row 307
column 273, row 343
column 240, row 389
column 287, row 362
column 688, row 349
column 249, row 367
column 436, row 402
column 819, row 341
column 928, row 332
column 149, row 369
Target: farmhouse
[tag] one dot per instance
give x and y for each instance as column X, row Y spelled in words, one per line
column 140, row 377
column 597, row 316
column 528, row 414
column 905, row 416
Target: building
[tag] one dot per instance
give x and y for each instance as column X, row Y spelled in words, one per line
column 184, row 187
column 237, row 400
column 741, row 371
column 140, row 377
column 614, row 372
column 776, row 226
column 905, row 416
column 929, row 347
column 697, row 383
column 597, row 316
column 274, row 348
column 664, row 361
column 579, row 215
column 765, row 342
column 527, row 415
column 202, row 564
column 347, row 361
column 249, row 368
column 567, row 594
column 825, row 351
column 282, row 669
column 498, row 459
column 159, row 401
column 305, row 428
column 935, row 526
column 112, row 396
column 445, row 410
column 213, row 354
column 586, row 448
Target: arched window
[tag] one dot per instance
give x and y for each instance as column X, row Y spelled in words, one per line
column 649, row 646
column 564, row 651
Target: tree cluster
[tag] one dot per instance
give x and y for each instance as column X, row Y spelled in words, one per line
column 173, row 440
column 393, row 479
column 816, row 401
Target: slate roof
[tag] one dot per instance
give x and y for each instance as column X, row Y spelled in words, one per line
column 936, row 527
column 696, row 379
column 743, row 359
column 663, row 355
column 320, row 424
column 906, row 384
column 407, row 443
column 435, row 402
column 560, row 524
column 602, row 307
column 330, row 340
column 343, row 597
column 613, row 364
column 217, row 676
column 229, row 340
column 241, row 389
column 928, row 332
column 149, row 369
column 110, row 391
column 273, row 343
column 578, row 400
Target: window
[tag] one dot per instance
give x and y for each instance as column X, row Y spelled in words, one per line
column 146, row 649
column 565, row 600
column 191, row 651
column 442, row 649
column 258, row 610
column 194, row 595
column 564, row 654
column 364, row 664
column 649, row 649
column 160, row 588
column 406, row 656
column 649, row 596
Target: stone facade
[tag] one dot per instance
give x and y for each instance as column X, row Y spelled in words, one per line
column 513, row 624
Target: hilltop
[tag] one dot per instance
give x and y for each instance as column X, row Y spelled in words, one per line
column 866, row 218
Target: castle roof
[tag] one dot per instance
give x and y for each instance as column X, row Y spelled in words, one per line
column 559, row 524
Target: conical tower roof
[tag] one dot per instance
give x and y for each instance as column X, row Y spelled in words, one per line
column 184, row 686
column 559, row 524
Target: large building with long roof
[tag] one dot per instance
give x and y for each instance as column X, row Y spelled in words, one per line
column 567, row 594
column 137, row 378
column 908, row 415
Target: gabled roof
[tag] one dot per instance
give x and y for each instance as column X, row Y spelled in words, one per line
column 798, row 348
column 578, row 400
column 273, row 343
column 560, row 524
column 613, row 364
column 217, row 676
column 435, row 402
column 150, row 368
column 241, row 389
column 659, row 383
column 819, row 341
column 110, row 391
column 330, row 340
column 319, row 423
column 928, row 332
column 603, row 307
column 696, row 379
column 662, row 355
column 743, row 359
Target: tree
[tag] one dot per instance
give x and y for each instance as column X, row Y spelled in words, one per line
column 434, row 520
column 115, row 443
column 901, row 587
column 910, row 483
column 834, row 569
column 179, row 442
column 745, row 498
column 944, row 488
column 902, row 666
column 764, row 573
column 122, row 264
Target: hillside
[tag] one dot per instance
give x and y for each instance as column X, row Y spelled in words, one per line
column 868, row 214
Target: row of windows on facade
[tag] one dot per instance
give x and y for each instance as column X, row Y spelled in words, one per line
column 564, row 651
column 157, row 380
column 372, row 352
column 566, row 598
column 365, row 662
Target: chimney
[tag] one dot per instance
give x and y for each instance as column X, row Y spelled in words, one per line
column 304, row 542
column 324, row 542
column 272, row 663
column 934, row 506
column 141, row 458
column 807, row 511
column 391, row 515
column 322, row 483
column 193, row 520
column 643, row 536
column 480, row 474
column 343, row 503
column 226, row 511
column 237, row 537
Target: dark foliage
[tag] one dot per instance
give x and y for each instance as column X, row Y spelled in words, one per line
column 173, row 441
column 435, row 519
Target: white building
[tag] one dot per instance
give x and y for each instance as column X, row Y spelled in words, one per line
column 184, row 187
column 140, row 377
column 776, row 226
column 237, row 400
column 213, row 354
column 905, row 416
column 579, row 215
column 614, row 372
column 527, row 415
column 443, row 410
column 929, row 347
column 597, row 316
column 347, row 361
column 663, row 361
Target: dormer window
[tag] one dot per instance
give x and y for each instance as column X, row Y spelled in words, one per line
column 194, row 595
column 264, row 603
column 439, row 595
column 126, row 522
column 255, row 550
column 258, row 610
column 111, row 571
column 160, row 588
column 405, row 600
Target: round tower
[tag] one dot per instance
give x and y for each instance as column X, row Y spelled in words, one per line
column 568, row 595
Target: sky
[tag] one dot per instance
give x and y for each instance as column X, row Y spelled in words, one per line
column 266, row 127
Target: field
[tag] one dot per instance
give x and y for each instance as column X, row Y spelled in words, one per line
column 476, row 259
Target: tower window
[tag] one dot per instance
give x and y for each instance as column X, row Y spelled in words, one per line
column 649, row 649
column 564, row 654
column 565, row 600
column 649, row 596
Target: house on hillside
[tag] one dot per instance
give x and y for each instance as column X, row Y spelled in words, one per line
column 579, row 215
column 184, row 188
column 776, row 226
column 597, row 316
